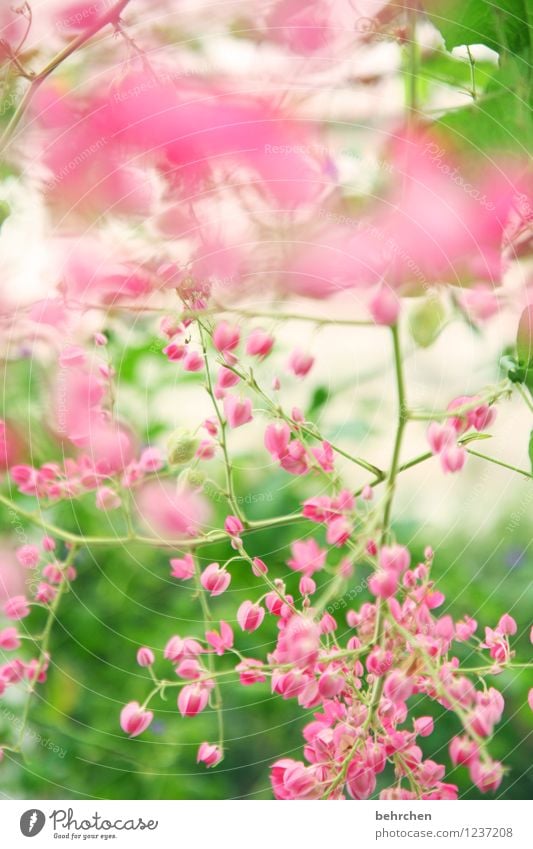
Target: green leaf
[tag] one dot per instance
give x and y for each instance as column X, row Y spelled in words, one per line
column 501, row 25
column 501, row 118
column 320, row 396
column 425, row 322
column 5, row 212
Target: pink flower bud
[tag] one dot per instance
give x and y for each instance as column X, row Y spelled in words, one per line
column 145, row 656
column 250, row 672
column 134, row 719
column 107, row 498
column 277, row 438
column 398, row 686
column 226, row 337
column 385, row 306
column 182, row 567
column 17, row 607
column 233, row 526
column 507, row 625
column 383, row 584
column 209, row 754
column 259, row 343
column 28, row 556
column 250, row 616
column 215, row 579
column 423, row 726
column 259, row 567
column 307, row 586
column 486, row 776
column 151, row 460
column 300, row 363
column 453, row 458
column 193, row 361
column 45, row 593
column 193, row 699
column 9, row 640
column 394, row 558
column 48, row 544
column 237, row 412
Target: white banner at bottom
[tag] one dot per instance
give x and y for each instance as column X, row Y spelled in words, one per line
column 264, row 825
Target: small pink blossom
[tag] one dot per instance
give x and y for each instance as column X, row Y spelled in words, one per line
column 193, row 699
column 300, row 363
column 209, row 754
column 17, row 607
column 250, row 616
column 226, row 337
column 134, row 719
column 238, row 412
column 215, row 579
column 259, row 343
column 182, row 567
column 145, row 656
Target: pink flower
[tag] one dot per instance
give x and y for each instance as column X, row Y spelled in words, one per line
column 193, row 699
column 385, row 306
column 529, row 695
column 45, row 593
column 145, row 656
column 250, row 672
column 277, row 438
column 383, row 584
column 107, row 498
column 237, row 412
column 259, row 343
column 9, row 640
column 398, row 686
column 339, row 531
column 215, row 579
column 440, row 436
column 307, row 557
column 134, row 719
column 480, row 302
column 465, row 629
column 259, row 567
column 17, row 607
column 193, row 361
column 226, row 337
column 250, row 616
column 28, row 556
column 300, row 363
column 220, row 641
column 394, row 558
column 175, row 351
column 292, row 780
column 360, row 781
column 233, row 526
column 453, row 458
column 486, row 776
column 463, row 750
column 209, row 754
column 507, row 625
column 324, row 457
column 151, row 460
column 182, row 567
column 423, row 726
column 295, row 461
column 48, row 544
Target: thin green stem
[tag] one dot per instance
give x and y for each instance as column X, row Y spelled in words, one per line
column 230, row 493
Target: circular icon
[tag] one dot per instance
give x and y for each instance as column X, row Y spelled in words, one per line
column 32, row 822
